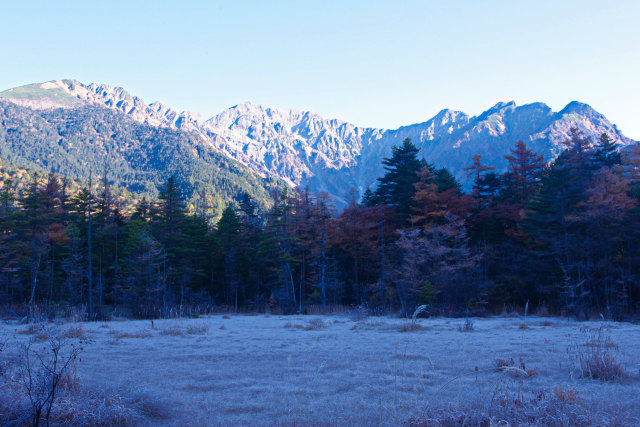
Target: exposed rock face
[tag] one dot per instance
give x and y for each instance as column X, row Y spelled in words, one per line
column 330, row 155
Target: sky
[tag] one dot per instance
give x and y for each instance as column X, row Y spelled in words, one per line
column 372, row 63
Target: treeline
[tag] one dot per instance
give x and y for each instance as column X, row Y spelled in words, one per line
column 562, row 235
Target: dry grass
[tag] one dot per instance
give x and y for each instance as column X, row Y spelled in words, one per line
column 197, row 329
column 329, row 309
column 142, row 333
column 512, row 408
column 565, row 394
column 75, row 404
column 412, row 327
column 468, row 326
column 175, row 332
column 515, row 369
column 32, row 329
column 190, row 330
column 81, row 406
column 359, row 313
column 372, row 375
column 290, row 325
column 73, row 332
column 315, row 324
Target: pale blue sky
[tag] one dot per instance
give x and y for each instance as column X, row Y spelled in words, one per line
column 380, row 64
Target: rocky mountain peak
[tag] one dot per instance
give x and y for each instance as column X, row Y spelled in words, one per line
column 304, row 148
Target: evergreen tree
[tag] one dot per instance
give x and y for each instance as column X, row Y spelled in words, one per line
column 606, row 152
column 397, row 187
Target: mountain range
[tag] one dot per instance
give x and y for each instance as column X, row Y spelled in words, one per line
column 304, row 149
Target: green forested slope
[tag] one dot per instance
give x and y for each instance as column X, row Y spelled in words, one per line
column 71, row 142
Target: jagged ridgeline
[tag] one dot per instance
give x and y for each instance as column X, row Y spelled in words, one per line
column 300, row 148
column 139, row 157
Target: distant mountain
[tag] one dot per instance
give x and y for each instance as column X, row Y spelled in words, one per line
column 305, row 149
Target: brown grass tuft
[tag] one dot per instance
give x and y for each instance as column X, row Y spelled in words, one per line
column 565, row 394
column 73, row 332
column 143, row 333
column 32, row 329
column 412, row 327
column 468, row 326
column 173, row 331
column 315, row 324
column 197, row 329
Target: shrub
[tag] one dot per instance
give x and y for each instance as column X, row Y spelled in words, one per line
column 42, row 370
column 596, row 358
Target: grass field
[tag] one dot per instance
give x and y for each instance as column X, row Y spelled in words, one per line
column 312, row 370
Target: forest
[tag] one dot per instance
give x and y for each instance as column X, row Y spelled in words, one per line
column 557, row 236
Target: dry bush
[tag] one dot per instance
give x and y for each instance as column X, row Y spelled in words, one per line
column 523, row 326
column 42, row 387
column 547, row 323
column 226, row 317
column 596, row 358
column 81, row 406
column 40, row 374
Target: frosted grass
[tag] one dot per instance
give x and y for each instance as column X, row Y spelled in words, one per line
column 286, row 370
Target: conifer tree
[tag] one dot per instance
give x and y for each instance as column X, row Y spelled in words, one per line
column 397, row 187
